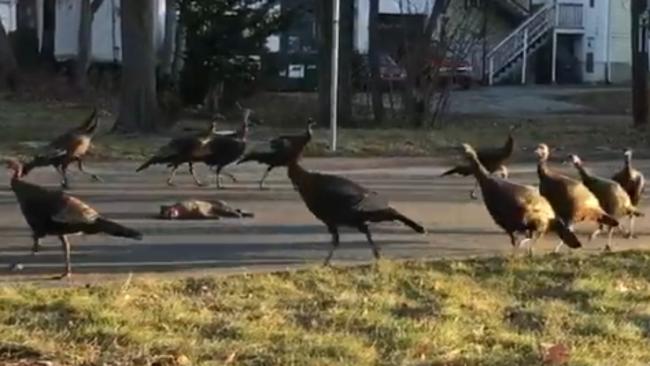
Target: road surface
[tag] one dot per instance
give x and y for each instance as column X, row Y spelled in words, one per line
column 283, row 233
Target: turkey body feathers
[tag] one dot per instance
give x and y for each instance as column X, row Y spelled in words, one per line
column 52, row 212
column 339, row 201
column 516, row 208
column 492, row 159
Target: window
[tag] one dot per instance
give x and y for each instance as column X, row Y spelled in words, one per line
column 590, row 62
column 592, row 3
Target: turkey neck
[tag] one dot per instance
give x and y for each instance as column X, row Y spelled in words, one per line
column 509, row 146
column 15, row 177
column 297, row 174
column 628, row 163
column 478, row 169
column 584, row 174
column 243, row 130
column 542, row 168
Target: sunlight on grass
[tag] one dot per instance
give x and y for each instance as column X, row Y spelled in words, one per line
column 496, row 311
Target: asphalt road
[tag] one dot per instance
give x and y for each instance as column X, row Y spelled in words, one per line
column 283, row 233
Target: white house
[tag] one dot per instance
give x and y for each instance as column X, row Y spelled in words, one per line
column 106, row 33
column 575, row 40
column 8, row 14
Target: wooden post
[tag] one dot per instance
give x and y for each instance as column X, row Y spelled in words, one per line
column 639, row 62
column 491, row 71
column 554, row 58
column 524, row 60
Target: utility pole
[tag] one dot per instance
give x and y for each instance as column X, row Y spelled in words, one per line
column 334, row 86
column 639, row 24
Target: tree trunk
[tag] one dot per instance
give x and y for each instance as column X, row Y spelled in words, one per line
column 418, row 58
column 177, row 61
column 167, row 53
column 639, row 65
column 325, row 60
column 138, row 103
column 49, row 26
column 345, row 93
column 373, row 61
column 8, row 68
column 84, row 39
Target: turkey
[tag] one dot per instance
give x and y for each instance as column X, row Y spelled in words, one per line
column 226, row 149
column 178, row 151
column 280, row 151
column 197, row 210
column 66, row 149
column 337, row 201
column 570, row 199
column 52, row 212
column 633, row 182
column 517, row 208
column 493, row 159
column 612, row 197
column 249, row 118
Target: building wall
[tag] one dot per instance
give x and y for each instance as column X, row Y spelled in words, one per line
column 607, row 36
column 385, row 7
column 469, row 23
column 466, row 23
column 8, row 14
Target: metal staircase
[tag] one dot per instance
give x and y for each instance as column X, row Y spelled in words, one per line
column 512, row 53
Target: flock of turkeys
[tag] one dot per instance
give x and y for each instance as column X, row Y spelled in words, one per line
column 524, row 212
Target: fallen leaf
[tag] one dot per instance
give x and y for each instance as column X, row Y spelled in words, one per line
column 555, row 354
column 621, row 287
column 231, row 358
column 183, row 360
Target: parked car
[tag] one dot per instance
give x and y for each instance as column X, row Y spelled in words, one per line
column 392, row 74
column 453, row 72
column 448, row 71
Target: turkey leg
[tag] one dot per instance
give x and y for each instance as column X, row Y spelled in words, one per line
column 335, row 243
column 80, row 165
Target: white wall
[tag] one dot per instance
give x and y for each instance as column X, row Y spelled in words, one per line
column 607, row 35
column 385, row 7
column 106, row 36
column 8, row 14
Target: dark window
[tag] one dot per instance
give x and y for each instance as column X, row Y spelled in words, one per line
column 590, row 62
column 592, row 3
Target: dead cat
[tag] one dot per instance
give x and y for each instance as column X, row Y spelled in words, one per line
column 201, row 210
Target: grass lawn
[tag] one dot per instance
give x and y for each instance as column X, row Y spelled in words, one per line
column 494, row 311
column 28, row 125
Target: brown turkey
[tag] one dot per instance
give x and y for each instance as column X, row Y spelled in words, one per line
column 633, row 182
column 493, row 159
column 338, row 201
column 226, row 149
column 280, row 151
column 517, row 208
column 52, row 212
column 570, row 199
column 612, row 197
column 66, row 149
column 178, row 151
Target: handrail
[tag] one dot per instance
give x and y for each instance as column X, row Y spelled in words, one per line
column 523, row 25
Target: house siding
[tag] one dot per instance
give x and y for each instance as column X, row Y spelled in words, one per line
column 470, row 23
